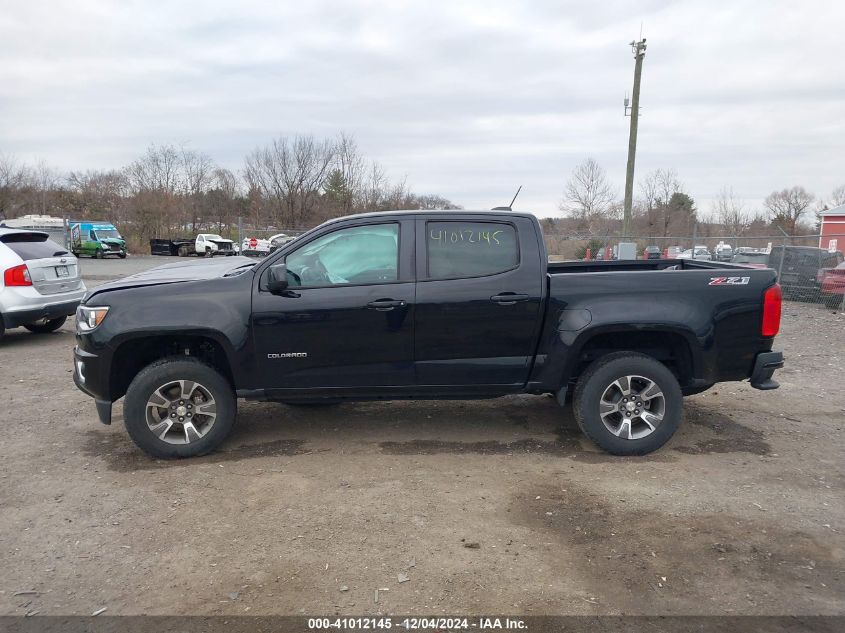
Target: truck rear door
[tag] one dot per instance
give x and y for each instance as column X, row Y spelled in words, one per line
column 478, row 304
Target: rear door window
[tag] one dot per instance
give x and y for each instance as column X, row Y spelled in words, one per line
column 32, row 246
column 470, row 249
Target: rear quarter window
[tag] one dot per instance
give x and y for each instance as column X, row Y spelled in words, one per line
column 32, row 246
column 470, row 249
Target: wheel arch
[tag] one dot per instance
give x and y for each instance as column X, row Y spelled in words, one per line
column 675, row 347
column 134, row 353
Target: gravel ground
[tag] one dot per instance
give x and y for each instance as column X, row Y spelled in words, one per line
column 494, row 506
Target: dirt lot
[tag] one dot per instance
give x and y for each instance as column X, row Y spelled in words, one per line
column 485, row 506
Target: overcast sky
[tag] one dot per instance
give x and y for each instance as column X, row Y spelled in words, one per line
column 468, row 99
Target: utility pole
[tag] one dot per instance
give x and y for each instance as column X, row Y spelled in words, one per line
column 638, row 49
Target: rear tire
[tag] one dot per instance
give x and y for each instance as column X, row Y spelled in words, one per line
column 646, row 419
column 45, row 328
column 153, row 400
column 182, row 252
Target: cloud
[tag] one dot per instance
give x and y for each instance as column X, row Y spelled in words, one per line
column 468, row 99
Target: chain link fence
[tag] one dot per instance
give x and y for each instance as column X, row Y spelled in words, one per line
column 810, row 268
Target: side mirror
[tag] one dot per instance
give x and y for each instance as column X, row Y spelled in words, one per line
column 277, row 278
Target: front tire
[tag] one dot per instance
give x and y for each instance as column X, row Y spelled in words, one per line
column 628, row 403
column 179, row 407
column 45, row 328
column 122, row 255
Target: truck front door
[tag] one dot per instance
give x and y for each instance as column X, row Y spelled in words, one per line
column 346, row 319
column 479, row 294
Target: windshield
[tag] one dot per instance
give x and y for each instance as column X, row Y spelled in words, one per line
column 105, row 233
column 32, row 245
column 213, row 237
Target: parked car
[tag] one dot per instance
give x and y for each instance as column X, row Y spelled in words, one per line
column 751, row 259
column 279, row 240
column 255, row 247
column 699, row 253
column 723, row 253
column 41, row 285
column 653, row 252
column 210, row 244
column 798, row 268
column 96, row 239
column 832, row 283
column 178, row 246
column 421, row 304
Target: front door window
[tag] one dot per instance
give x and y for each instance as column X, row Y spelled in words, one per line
column 352, row 256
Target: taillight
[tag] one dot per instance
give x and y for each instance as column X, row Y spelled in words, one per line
column 772, row 299
column 17, row 276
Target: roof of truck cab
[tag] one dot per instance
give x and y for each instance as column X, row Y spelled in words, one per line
column 445, row 212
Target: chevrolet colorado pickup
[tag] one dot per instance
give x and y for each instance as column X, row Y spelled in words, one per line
column 422, row 305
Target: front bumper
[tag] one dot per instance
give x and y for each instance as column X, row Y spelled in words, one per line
column 764, row 367
column 17, row 318
column 87, row 376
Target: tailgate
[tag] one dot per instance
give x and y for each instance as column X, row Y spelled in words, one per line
column 52, row 275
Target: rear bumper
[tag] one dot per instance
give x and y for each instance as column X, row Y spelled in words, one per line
column 16, row 318
column 765, row 366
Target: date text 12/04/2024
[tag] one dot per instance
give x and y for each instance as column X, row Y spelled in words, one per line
column 417, row 623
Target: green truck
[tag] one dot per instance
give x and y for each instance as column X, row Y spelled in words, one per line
column 96, row 239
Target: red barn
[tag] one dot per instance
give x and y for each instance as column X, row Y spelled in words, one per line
column 833, row 229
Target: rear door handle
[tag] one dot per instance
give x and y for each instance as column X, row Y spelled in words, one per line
column 385, row 305
column 508, row 298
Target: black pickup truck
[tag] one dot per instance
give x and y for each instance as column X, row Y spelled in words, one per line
column 422, row 305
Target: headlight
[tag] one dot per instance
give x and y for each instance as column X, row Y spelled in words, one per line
column 88, row 318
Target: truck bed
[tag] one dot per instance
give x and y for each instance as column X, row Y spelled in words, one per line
column 555, row 268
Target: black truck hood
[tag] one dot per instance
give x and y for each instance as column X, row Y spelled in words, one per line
column 196, row 270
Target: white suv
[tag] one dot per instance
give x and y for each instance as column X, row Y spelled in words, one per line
column 40, row 284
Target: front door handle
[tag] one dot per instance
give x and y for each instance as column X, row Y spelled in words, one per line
column 508, row 298
column 385, row 305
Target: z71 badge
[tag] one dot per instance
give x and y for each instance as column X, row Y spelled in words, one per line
column 729, row 281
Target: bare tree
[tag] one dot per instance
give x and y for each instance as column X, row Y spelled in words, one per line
column 13, row 178
column 350, row 168
column 730, row 212
column 588, row 195
column 786, row 207
column 155, row 182
column 837, row 196
column 290, row 174
column 157, row 170
column 172, row 190
column 45, row 180
column 196, row 178
column 657, row 190
column 96, row 194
